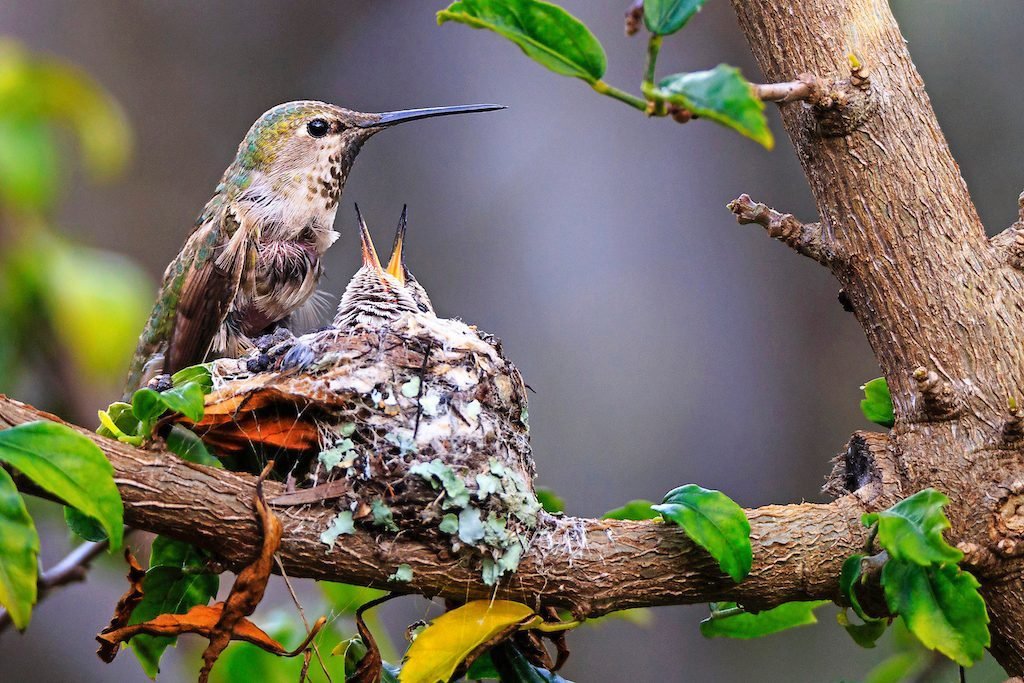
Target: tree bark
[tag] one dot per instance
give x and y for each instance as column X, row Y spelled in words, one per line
column 941, row 305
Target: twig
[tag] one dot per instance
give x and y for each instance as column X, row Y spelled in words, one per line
column 302, row 614
column 419, row 392
column 804, row 88
column 806, row 238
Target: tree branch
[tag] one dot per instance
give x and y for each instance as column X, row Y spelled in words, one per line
column 805, row 238
column 941, row 305
column 589, row 566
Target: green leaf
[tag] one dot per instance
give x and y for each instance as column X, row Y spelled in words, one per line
column 877, row 402
column 187, row 399
column 544, row 32
column 147, row 405
column 748, row 625
column 549, row 500
column 84, row 526
column 29, row 164
column 97, row 301
column 635, row 510
column 19, row 554
column 198, row 374
column 121, row 415
column 187, row 445
column 70, row 466
column 895, row 669
column 513, row 667
column 848, row 579
column 175, row 582
column 663, row 17
column 482, row 668
column 866, row 634
column 912, row 529
column 722, row 95
column 941, row 606
column 714, row 522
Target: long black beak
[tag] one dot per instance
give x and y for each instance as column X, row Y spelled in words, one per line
column 392, row 118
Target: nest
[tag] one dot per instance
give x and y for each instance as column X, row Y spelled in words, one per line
column 420, row 428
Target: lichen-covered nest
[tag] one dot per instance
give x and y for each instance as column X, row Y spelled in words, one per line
column 419, row 428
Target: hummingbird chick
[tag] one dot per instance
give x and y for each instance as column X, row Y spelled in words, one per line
column 375, row 296
column 397, row 268
column 253, row 259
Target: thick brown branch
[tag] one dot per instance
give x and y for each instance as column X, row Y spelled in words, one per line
column 926, row 285
column 806, row 238
column 587, row 565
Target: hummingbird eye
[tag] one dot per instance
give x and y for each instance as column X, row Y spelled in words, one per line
column 318, row 128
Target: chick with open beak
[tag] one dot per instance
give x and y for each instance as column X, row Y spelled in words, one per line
column 374, row 297
column 397, row 268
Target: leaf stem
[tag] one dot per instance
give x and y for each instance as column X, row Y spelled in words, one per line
column 548, row 627
column 872, row 533
column 653, row 48
column 621, row 95
column 727, row 612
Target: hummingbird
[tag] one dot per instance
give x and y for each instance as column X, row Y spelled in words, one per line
column 253, row 259
column 376, row 296
column 398, row 269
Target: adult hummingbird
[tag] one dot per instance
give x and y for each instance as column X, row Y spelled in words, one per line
column 253, row 258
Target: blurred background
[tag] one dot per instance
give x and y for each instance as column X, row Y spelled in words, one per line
column 666, row 344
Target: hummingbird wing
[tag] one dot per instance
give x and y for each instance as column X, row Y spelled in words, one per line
column 223, row 252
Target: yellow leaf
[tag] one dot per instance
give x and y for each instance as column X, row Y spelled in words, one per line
column 448, row 640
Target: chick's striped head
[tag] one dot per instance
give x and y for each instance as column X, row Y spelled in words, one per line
column 374, row 297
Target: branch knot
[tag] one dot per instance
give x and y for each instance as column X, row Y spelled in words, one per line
column 939, row 399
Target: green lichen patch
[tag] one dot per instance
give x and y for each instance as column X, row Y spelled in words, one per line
column 429, row 404
column 341, row 524
column 402, row 440
column 449, row 524
column 486, row 484
column 342, row 455
column 471, row 530
column 403, row 574
column 437, row 473
column 411, row 389
column 382, row 515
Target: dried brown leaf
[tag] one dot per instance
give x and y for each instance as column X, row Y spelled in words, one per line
column 250, row 585
column 201, row 620
column 123, row 611
column 370, row 666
